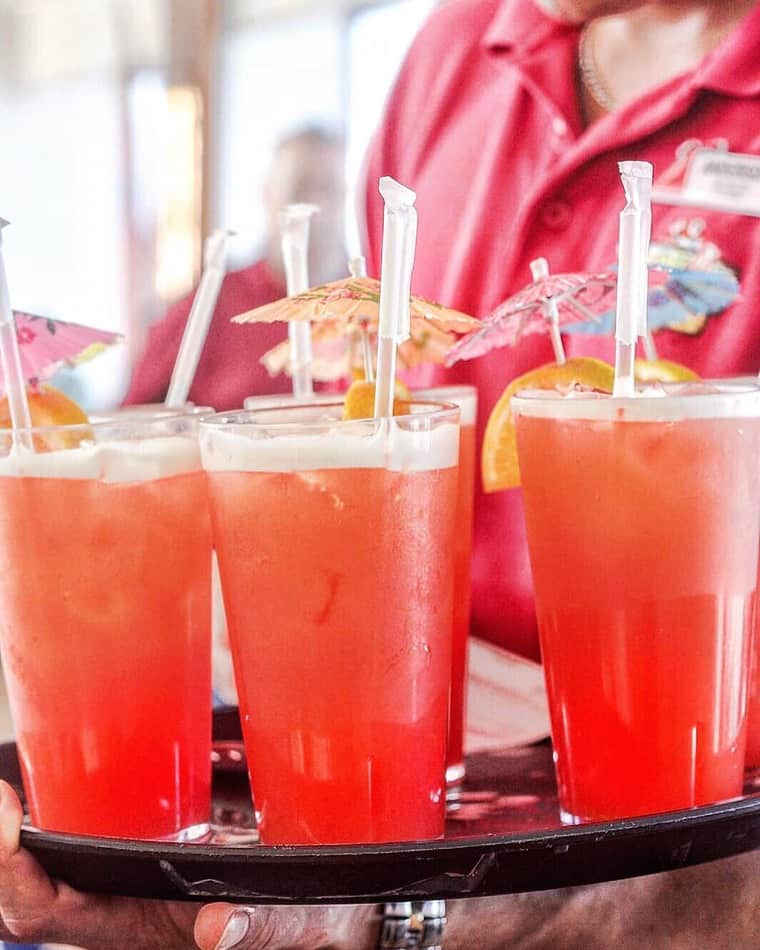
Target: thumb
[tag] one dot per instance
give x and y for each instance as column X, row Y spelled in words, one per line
column 297, row 927
column 224, row 926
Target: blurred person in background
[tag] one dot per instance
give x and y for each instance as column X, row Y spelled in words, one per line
column 507, row 119
column 307, row 166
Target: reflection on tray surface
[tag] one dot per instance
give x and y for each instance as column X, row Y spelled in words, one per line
column 506, row 793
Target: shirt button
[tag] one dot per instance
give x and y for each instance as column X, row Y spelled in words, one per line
column 556, row 215
column 559, row 126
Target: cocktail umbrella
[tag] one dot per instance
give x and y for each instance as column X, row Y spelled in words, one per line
column 346, row 310
column 352, row 300
column 688, row 282
column 336, row 346
column 552, row 302
column 680, row 300
column 45, row 345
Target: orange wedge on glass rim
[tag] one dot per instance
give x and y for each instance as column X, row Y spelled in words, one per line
column 49, row 406
column 662, row 371
column 359, row 402
column 500, row 469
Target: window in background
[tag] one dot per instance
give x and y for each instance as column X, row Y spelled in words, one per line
column 275, row 77
column 62, row 192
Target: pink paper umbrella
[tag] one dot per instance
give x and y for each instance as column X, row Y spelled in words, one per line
column 544, row 306
column 46, row 345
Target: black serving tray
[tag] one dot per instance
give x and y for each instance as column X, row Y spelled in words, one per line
column 504, row 837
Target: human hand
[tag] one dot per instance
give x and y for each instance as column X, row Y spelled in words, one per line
column 227, row 926
column 34, row 908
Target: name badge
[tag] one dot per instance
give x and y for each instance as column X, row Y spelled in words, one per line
column 725, row 181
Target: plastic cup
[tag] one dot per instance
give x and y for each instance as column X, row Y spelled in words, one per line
column 642, row 518
column 105, row 596
column 334, row 542
column 466, row 397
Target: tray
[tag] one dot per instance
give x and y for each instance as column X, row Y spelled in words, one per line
column 505, row 837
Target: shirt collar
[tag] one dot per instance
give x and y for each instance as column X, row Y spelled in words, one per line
column 520, row 27
column 733, row 67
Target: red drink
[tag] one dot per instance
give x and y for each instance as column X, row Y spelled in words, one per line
column 466, row 397
column 642, row 520
column 105, row 596
column 337, row 581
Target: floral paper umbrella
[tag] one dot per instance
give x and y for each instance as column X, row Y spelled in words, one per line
column 550, row 303
column 353, row 300
column 344, row 311
column 45, row 344
column 336, row 349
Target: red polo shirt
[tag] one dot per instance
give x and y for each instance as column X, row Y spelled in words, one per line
column 229, row 368
column 484, row 124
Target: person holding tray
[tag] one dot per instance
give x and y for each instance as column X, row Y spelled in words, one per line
column 507, row 119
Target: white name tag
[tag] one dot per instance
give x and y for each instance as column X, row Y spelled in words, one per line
column 725, row 180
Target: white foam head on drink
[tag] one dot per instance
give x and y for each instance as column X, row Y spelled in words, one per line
column 126, row 460
column 361, row 444
column 658, row 403
column 466, row 397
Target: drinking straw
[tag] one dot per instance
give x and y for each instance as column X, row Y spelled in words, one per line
column 399, row 239
column 633, row 247
column 294, row 224
column 357, row 267
column 199, row 319
column 10, row 358
column 539, row 268
column 645, row 193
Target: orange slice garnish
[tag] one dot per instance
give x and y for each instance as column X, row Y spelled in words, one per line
column 662, row 371
column 500, row 469
column 360, row 400
column 49, row 406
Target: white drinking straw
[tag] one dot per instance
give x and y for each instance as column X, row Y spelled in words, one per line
column 645, row 198
column 199, row 319
column 399, row 239
column 357, row 267
column 539, row 268
column 10, row 358
column 633, row 250
column 294, row 224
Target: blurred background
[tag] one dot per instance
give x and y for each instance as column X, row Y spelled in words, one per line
column 130, row 128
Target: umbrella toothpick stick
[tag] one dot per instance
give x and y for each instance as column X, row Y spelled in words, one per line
column 10, row 358
column 357, row 267
column 633, row 250
column 294, row 222
column 539, row 268
column 399, row 240
column 199, row 320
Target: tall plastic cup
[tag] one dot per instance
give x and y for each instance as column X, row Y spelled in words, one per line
column 334, row 542
column 105, row 554
column 466, row 397
column 642, row 518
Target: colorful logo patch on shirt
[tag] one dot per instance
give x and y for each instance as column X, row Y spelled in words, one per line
column 689, row 283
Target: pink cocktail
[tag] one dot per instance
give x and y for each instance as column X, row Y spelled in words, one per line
column 642, row 517
column 105, row 550
column 334, row 543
